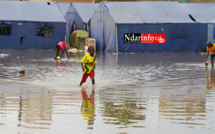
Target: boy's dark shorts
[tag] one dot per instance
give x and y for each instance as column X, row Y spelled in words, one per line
column 212, row 55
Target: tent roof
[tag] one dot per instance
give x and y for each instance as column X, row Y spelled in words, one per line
column 29, row 11
column 202, row 12
column 63, row 8
column 147, row 12
column 85, row 10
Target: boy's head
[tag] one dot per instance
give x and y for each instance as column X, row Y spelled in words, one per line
column 57, row 47
column 209, row 44
column 91, row 50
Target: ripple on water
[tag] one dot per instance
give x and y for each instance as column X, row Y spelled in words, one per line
column 150, row 92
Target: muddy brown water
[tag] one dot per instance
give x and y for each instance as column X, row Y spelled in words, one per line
column 152, row 93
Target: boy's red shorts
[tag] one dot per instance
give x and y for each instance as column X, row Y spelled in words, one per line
column 85, row 76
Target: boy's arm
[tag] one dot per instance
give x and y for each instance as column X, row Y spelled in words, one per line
column 82, row 62
column 61, row 53
column 82, row 66
column 95, row 62
column 207, row 56
column 56, row 55
column 65, row 50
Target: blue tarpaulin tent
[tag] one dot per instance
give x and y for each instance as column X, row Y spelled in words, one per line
column 30, row 25
column 112, row 20
column 78, row 16
column 203, row 13
column 63, row 8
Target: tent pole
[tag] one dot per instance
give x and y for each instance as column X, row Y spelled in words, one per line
column 117, row 47
column 65, row 38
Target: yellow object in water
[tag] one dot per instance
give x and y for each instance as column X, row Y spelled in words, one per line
column 58, row 57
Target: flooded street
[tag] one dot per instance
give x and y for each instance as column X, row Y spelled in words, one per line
column 151, row 93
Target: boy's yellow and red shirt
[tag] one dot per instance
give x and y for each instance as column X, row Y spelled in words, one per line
column 211, row 49
column 89, row 63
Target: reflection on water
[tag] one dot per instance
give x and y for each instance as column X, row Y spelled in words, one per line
column 88, row 107
column 210, row 79
column 155, row 93
column 185, row 106
column 35, row 109
column 122, row 108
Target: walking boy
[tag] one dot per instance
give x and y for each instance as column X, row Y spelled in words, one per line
column 88, row 65
column 211, row 49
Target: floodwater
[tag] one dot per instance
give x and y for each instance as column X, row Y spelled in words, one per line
column 151, row 93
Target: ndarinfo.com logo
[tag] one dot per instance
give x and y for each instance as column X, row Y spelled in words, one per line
column 145, row 38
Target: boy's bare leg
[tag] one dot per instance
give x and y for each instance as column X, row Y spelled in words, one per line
column 93, row 80
column 80, row 83
column 212, row 62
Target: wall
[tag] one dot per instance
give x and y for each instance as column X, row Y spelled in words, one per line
column 27, row 30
